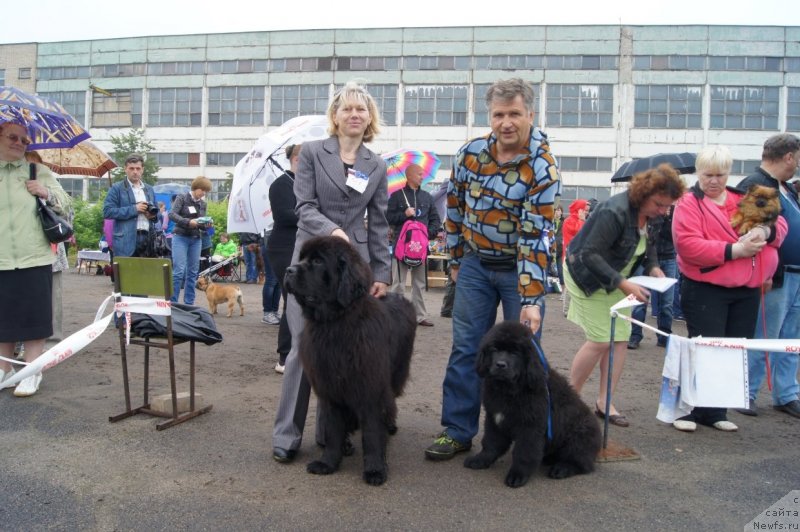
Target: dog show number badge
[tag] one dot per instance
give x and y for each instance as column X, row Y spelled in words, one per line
column 357, row 180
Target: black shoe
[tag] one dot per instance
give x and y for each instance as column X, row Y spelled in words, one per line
column 748, row 411
column 661, row 341
column 444, row 448
column 633, row 344
column 792, row 408
column 446, row 314
column 283, row 456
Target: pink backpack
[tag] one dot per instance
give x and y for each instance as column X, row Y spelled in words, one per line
column 411, row 247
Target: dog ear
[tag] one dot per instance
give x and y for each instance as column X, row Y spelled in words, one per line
column 351, row 285
column 484, row 361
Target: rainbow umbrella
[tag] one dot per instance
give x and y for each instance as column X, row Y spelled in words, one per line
column 49, row 125
column 399, row 160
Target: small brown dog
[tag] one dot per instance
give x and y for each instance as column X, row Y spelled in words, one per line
column 760, row 206
column 219, row 293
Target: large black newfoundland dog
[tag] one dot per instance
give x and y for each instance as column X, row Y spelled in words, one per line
column 516, row 387
column 355, row 350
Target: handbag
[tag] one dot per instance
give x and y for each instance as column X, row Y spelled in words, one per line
column 56, row 228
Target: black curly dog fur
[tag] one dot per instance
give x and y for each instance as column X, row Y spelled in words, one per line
column 515, row 397
column 355, row 350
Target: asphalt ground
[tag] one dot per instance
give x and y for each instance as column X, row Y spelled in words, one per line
column 65, row 467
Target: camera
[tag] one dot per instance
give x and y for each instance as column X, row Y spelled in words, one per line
column 152, row 210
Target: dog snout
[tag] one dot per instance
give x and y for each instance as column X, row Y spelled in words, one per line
column 761, row 203
column 501, row 364
column 290, row 277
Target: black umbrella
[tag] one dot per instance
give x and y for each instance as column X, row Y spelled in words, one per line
column 682, row 162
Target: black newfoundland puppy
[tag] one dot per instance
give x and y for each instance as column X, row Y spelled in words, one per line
column 355, row 350
column 516, row 387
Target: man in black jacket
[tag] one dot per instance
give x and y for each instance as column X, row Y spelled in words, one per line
column 411, row 202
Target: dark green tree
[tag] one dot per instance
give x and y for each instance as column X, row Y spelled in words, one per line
column 133, row 142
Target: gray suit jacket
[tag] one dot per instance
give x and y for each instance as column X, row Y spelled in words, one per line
column 325, row 202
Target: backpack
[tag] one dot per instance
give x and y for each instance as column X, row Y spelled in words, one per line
column 411, row 247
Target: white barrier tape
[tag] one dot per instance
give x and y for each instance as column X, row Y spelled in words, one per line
column 782, row 345
column 77, row 341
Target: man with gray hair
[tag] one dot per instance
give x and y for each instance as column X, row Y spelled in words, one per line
column 500, row 205
column 779, row 316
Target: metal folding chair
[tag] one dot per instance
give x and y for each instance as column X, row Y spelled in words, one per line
column 145, row 277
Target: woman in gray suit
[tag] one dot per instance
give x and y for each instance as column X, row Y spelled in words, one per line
column 338, row 180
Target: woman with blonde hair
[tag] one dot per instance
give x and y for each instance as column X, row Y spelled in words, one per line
column 722, row 272
column 338, row 179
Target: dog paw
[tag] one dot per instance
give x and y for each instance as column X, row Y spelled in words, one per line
column 391, row 428
column 477, row 462
column 375, row 478
column 516, row 479
column 318, row 467
column 561, row 470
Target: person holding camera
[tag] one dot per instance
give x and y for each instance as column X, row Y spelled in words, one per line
column 189, row 214
column 131, row 203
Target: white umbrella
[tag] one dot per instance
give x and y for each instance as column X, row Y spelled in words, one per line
column 249, row 210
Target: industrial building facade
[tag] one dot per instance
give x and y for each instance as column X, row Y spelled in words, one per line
column 605, row 94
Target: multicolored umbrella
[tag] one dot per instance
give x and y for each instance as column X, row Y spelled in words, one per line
column 48, row 124
column 84, row 159
column 399, row 160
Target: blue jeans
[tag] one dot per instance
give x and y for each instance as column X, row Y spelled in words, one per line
column 251, row 267
column 782, row 309
column 185, row 266
column 478, row 292
column 662, row 302
column 271, row 292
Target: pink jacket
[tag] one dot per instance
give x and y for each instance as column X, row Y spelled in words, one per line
column 703, row 237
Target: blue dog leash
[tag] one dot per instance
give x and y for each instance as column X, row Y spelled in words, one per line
column 547, row 389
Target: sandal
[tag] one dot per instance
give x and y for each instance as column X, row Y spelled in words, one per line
column 615, row 419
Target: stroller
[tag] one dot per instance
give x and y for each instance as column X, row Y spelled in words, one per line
column 224, row 270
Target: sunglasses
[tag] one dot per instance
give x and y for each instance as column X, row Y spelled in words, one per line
column 16, row 138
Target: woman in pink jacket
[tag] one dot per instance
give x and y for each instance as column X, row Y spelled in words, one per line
column 723, row 273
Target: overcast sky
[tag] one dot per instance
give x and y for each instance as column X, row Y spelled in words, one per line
column 67, row 20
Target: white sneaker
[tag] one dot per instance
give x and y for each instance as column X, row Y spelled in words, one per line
column 279, row 369
column 685, row 425
column 270, row 318
column 725, row 426
column 28, row 386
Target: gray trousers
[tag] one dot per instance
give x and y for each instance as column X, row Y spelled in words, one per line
column 290, row 419
column 399, row 273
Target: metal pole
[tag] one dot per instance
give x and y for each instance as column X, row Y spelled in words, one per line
column 608, row 380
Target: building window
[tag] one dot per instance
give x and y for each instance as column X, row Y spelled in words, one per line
column 289, row 101
column 435, row 105
column 439, row 62
column 581, row 62
column 236, row 106
column 669, row 62
column 122, row 109
column 509, row 62
column 385, row 97
column 174, row 107
column 668, row 106
column 24, row 73
column 172, row 159
column 793, row 110
column 580, row 105
column 2, row 76
column 223, row 159
column 751, row 63
column 744, row 107
column 74, row 102
column 585, row 164
column 744, row 167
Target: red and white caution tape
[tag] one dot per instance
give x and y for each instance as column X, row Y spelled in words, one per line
column 77, row 341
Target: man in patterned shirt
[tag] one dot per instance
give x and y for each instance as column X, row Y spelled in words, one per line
column 500, row 204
